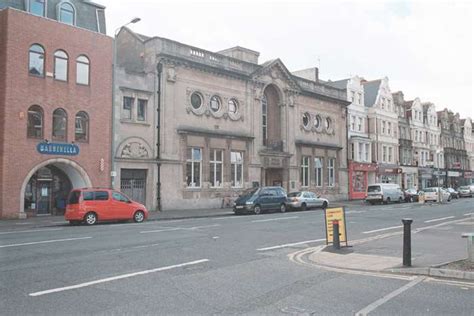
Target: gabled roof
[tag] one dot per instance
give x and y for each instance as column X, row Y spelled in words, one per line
column 371, row 90
column 266, row 66
column 340, row 84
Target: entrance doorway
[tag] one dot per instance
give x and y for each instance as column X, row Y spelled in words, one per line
column 133, row 184
column 47, row 191
column 273, row 177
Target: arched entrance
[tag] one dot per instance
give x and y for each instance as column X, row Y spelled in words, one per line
column 46, row 187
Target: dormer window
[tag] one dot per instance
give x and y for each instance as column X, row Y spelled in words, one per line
column 67, row 13
column 37, row 7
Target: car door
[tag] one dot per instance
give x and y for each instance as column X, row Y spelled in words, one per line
column 120, row 206
column 306, row 198
column 101, row 205
column 316, row 202
column 264, row 199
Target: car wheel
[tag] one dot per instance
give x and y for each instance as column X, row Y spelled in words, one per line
column 387, row 201
column 282, row 208
column 325, row 205
column 257, row 209
column 90, row 218
column 303, row 207
column 138, row 217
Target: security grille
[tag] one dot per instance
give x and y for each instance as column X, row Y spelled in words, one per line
column 133, row 184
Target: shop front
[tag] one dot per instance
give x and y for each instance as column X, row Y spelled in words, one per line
column 439, row 177
column 360, row 176
column 468, row 177
column 409, row 178
column 425, row 177
column 388, row 173
column 454, row 179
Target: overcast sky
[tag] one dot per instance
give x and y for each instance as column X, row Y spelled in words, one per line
column 423, row 47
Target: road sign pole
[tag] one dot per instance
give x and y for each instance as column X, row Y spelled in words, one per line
column 335, row 232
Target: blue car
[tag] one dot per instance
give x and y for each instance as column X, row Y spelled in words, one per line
column 258, row 200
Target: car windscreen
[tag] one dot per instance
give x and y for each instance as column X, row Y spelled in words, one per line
column 373, row 188
column 249, row 192
column 430, row 190
column 294, row 194
column 74, row 197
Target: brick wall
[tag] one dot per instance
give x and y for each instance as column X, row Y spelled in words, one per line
column 23, row 90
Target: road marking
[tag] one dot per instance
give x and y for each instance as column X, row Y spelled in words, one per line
column 388, row 297
column 227, row 217
column 169, row 229
column 30, row 231
column 118, row 277
column 23, row 223
column 438, row 219
column 43, row 242
column 468, row 214
column 292, row 244
column 355, row 212
column 199, row 227
column 274, row 219
column 381, row 229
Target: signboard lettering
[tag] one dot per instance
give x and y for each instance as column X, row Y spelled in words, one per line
column 335, row 214
column 58, row 149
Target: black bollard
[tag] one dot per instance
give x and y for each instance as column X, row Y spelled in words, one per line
column 407, row 241
column 335, row 235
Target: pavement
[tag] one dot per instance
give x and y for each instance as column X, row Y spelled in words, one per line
column 433, row 246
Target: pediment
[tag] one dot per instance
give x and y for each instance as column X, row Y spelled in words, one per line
column 275, row 70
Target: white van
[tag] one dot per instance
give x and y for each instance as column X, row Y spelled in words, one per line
column 384, row 193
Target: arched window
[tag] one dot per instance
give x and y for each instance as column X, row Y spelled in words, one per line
column 60, row 65
column 36, row 62
column 59, row 125
column 82, row 127
column 35, row 122
column 264, row 119
column 67, row 13
column 82, row 70
column 37, row 7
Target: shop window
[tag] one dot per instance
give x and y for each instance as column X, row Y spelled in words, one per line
column 318, row 171
column 82, row 70
column 60, row 65
column 236, row 162
column 36, row 60
column 67, row 13
column 193, row 167
column 59, row 125
column 35, row 122
column 37, row 7
column 215, row 159
column 304, row 176
column 331, row 173
column 82, row 127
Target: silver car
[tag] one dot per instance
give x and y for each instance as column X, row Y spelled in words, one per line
column 304, row 200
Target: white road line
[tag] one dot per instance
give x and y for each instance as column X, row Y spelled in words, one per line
column 30, row 231
column 438, row 219
column 227, row 217
column 23, row 223
column 468, row 214
column 118, row 277
column 274, row 219
column 43, row 242
column 388, row 297
column 292, row 244
column 199, row 227
column 160, row 230
column 381, row 229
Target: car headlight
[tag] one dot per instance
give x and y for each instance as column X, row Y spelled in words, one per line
column 249, row 202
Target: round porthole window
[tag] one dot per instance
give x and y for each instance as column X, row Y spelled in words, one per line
column 328, row 123
column 306, row 119
column 317, row 122
column 233, row 106
column 196, row 100
column 215, row 104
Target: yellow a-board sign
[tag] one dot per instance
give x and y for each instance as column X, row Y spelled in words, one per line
column 335, row 214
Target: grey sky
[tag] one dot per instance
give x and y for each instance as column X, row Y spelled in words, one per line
column 424, row 47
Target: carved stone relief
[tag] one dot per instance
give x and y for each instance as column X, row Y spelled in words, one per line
column 134, row 150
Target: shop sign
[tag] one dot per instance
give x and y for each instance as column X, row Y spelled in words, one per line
column 454, row 174
column 58, row 149
column 335, row 214
column 456, row 165
column 439, row 173
column 468, row 174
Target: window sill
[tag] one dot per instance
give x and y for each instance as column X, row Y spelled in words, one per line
column 125, row 121
column 36, row 76
column 83, row 84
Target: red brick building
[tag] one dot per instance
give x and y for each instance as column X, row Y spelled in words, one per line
column 55, row 109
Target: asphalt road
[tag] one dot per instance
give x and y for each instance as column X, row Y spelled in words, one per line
column 223, row 265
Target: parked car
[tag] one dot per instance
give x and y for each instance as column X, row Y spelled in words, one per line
column 411, row 195
column 304, row 200
column 434, row 193
column 258, row 200
column 454, row 193
column 90, row 205
column 384, row 193
column 465, row 191
column 471, row 187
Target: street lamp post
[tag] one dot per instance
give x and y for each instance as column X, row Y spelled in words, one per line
column 437, row 175
column 114, row 67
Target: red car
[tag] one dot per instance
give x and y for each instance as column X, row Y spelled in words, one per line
column 89, row 205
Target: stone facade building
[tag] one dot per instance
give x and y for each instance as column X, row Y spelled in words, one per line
column 199, row 127
column 361, row 167
column 468, row 134
column 383, row 130
column 55, row 78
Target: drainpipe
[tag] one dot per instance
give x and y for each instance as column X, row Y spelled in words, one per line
column 159, row 70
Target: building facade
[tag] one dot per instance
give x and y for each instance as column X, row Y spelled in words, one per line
column 55, row 75
column 222, row 123
column 383, row 130
column 468, row 134
column 361, row 168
